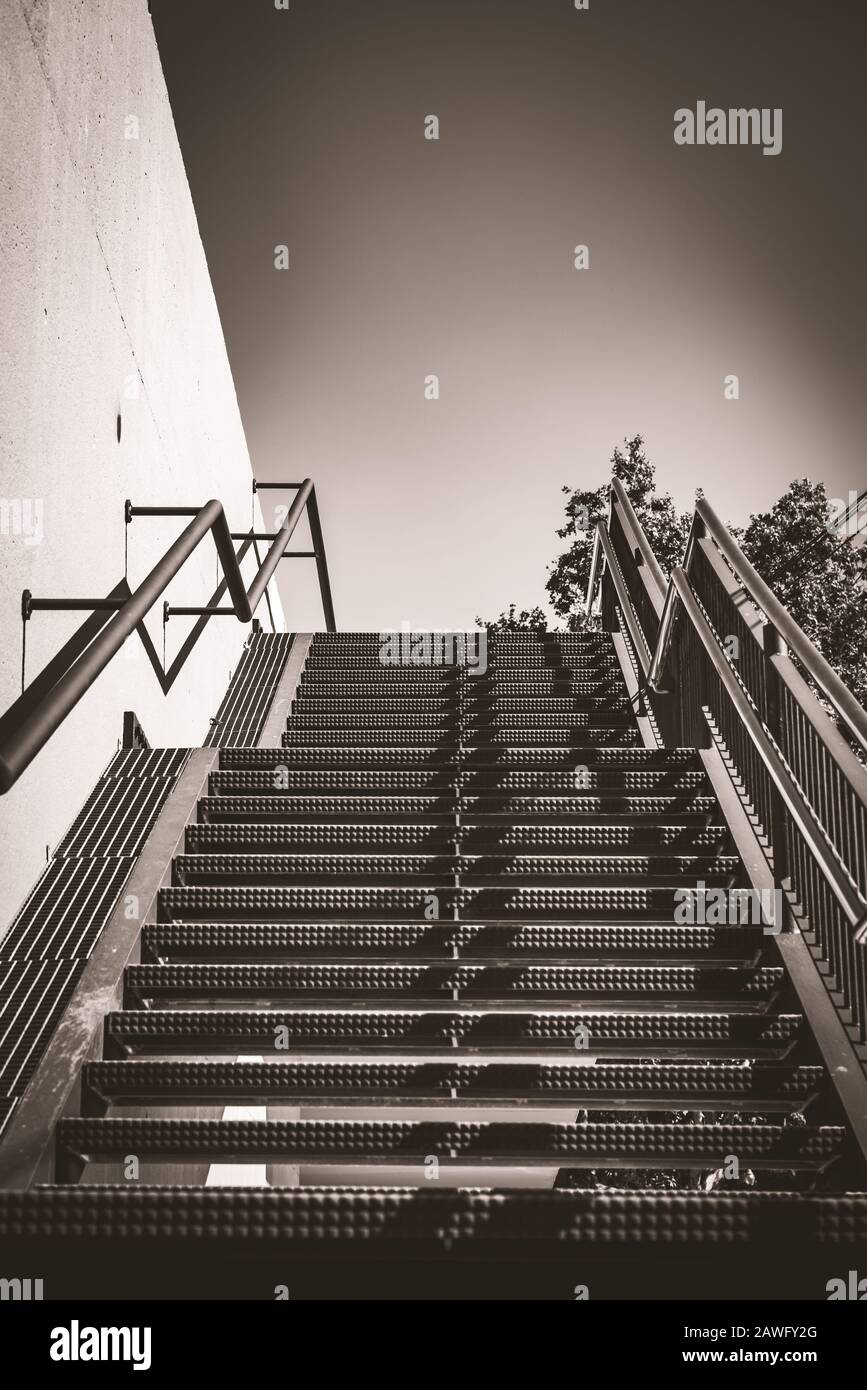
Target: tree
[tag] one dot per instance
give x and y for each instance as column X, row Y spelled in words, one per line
column 805, row 550
column 528, row 620
column 809, row 560
column 666, row 530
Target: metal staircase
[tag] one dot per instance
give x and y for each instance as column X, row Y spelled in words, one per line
column 417, row 977
column 407, row 985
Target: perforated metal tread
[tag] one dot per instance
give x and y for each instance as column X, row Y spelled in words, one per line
column 389, row 722
column 661, row 943
column 332, row 671
column 261, row 809
column 473, row 780
column 337, row 641
column 553, row 1224
column 260, row 868
column 754, row 1087
column 571, row 984
column 321, row 706
column 458, row 761
column 588, row 658
column 569, row 736
column 375, row 903
column 516, row 685
column 393, row 724
column 436, row 837
column 392, row 1141
column 292, row 867
column 716, row 1034
column 366, row 782
column 691, row 808
column 617, row 759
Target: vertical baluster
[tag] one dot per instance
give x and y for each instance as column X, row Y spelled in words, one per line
column 773, row 646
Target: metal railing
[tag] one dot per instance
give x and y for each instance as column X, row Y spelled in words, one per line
column 712, row 652
column 42, row 707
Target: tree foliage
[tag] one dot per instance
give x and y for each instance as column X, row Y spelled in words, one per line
column 817, row 573
column 666, row 530
column 528, row 620
column 816, row 568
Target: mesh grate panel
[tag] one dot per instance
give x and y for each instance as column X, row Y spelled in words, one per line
column 239, row 720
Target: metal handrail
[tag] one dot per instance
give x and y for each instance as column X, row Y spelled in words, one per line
column 834, row 873
column 812, row 834
column 619, row 497
column 648, row 558
column 655, row 677
column 637, row 637
column 835, row 691
column 32, row 723
column 595, row 569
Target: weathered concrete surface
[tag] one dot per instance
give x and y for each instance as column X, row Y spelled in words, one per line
column 107, row 310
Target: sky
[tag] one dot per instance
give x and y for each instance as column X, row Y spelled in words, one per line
column 410, row 258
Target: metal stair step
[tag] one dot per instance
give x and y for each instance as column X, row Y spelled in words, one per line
column 368, row 670
column 493, row 869
column 606, row 943
column 337, row 640
column 721, row 1034
column 633, row 758
column 754, row 1087
column 430, row 836
column 378, row 902
column 434, row 836
column 326, row 809
column 370, row 719
column 575, row 785
column 542, row 705
column 379, row 703
column 175, row 1224
column 366, row 720
column 469, row 660
column 581, row 807
column 332, row 982
column 499, row 639
column 533, row 737
column 454, row 757
column 690, row 808
column 533, row 661
column 368, row 782
column 422, row 678
column 258, row 869
column 325, row 693
column 376, row 659
column 476, row 709
column 585, row 1144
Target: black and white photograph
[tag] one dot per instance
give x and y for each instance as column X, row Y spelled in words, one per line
column 433, row 676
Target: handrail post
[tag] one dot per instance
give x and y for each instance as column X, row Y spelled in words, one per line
column 594, row 571
column 772, row 645
column 321, row 562
column 134, row 735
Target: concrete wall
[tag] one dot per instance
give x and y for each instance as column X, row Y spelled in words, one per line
column 107, row 310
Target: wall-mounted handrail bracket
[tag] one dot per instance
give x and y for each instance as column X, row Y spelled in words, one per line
column 39, row 711
column 31, row 605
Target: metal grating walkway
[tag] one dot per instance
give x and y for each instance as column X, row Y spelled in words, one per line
column 43, row 953
column 241, row 716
